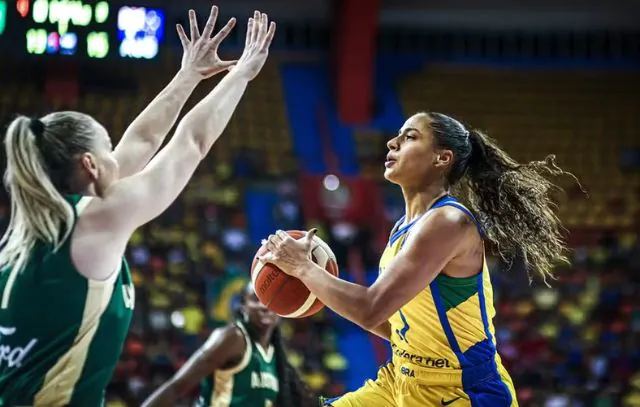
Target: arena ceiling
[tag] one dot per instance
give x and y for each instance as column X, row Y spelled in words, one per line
column 486, row 14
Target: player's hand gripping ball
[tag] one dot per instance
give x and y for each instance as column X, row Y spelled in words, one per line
column 283, row 294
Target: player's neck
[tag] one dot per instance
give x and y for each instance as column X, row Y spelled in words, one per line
column 264, row 337
column 418, row 201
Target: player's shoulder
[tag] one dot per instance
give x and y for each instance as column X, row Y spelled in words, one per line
column 442, row 228
column 225, row 345
column 228, row 334
column 449, row 216
column 233, row 332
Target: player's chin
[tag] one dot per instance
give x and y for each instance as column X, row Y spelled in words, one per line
column 267, row 320
column 392, row 175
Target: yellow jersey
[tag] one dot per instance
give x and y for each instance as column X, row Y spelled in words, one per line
column 448, row 325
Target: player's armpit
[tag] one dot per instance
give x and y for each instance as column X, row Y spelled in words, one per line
column 108, row 221
column 224, row 346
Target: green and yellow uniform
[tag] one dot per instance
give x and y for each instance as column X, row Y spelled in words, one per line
column 253, row 382
column 61, row 334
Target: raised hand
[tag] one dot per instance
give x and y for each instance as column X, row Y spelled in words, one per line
column 256, row 48
column 201, row 51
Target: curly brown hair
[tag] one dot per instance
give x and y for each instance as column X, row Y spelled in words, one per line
column 512, row 201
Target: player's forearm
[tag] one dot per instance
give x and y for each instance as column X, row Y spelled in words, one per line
column 146, row 133
column 208, row 119
column 351, row 301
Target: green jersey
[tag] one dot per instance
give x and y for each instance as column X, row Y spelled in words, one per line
column 254, row 382
column 61, row 334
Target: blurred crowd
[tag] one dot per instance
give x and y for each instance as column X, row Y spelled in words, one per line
column 572, row 344
column 189, row 266
column 575, row 343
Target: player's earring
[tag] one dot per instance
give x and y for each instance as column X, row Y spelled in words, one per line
column 245, row 316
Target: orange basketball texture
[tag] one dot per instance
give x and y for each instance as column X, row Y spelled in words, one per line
column 285, row 295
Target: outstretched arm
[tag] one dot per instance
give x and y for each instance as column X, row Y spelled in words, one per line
column 145, row 135
column 109, row 221
column 426, row 252
column 224, row 346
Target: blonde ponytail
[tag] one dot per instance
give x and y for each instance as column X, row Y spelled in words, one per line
column 39, row 212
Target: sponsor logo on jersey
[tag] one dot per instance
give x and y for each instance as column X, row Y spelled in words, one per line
column 407, row 371
column 13, row 355
column 264, row 380
column 422, row 360
column 446, row 403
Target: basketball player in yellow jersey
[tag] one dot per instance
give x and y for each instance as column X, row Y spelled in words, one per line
column 433, row 299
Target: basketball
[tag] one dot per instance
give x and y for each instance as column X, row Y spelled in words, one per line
column 285, row 295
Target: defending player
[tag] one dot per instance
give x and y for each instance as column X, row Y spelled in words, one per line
column 241, row 364
column 433, row 298
column 67, row 296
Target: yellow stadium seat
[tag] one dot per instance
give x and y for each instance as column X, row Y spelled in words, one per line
column 585, row 118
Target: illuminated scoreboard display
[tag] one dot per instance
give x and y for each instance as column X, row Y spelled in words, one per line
column 94, row 29
column 3, row 15
column 57, row 23
column 140, row 32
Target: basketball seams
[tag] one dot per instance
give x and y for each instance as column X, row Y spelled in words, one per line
column 304, row 308
column 320, row 257
column 325, row 247
column 259, row 266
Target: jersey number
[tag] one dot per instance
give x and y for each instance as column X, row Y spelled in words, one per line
column 129, row 296
column 402, row 332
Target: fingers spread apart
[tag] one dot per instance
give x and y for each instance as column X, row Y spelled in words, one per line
column 259, row 31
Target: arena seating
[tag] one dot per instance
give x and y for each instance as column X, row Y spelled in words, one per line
column 583, row 334
column 258, row 136
column 258, row 130
column 174, row 258
column 586, row 118
column 576, row 342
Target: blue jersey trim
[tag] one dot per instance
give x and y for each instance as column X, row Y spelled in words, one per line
column 451, row 201
column 444, row 321
column 487, row 331
column 398, row 230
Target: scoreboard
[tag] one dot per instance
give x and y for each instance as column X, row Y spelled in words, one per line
column 62, row 27
column 140, row 32
column 95, row 29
